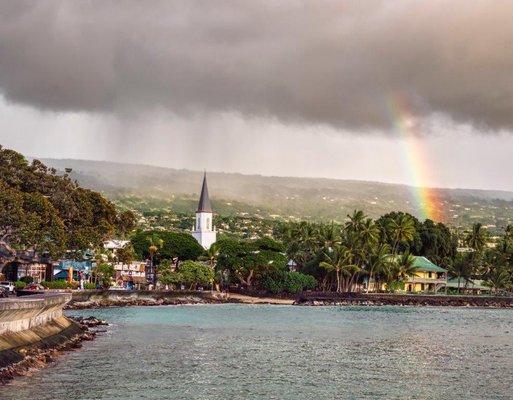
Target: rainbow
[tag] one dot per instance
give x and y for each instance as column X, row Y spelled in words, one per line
column 406, row 126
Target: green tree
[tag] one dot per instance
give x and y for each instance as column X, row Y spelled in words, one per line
column 195, row 273
column 104, row 272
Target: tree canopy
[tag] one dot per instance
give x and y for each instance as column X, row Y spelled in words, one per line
column 45, row 211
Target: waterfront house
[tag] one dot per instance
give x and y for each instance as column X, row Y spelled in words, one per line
column 428, row 277
column 470, row 286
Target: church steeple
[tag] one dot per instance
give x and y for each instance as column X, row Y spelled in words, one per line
column 204, row 201
column 203, row 229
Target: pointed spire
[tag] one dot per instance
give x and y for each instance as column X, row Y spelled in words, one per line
column 204, row 201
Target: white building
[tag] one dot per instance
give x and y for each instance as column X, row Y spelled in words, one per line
column 203, row 229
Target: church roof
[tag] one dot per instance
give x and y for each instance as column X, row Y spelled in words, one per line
column 204, row 201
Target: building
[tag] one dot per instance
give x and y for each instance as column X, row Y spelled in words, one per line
column 428, row 277
column 115, row 244
column 26, row 264
column 203, row 230
column 131, row 275
column 471, row 286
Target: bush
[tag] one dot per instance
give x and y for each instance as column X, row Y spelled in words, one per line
column 27, row 279
column 60, row 284
column 289, row 282
column 20, row 284
column 89, row 285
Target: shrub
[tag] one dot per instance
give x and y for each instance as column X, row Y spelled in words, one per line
column 289, row 282
column 27, row 279
column 89, row 285
column 59, row 284
column 20, row 284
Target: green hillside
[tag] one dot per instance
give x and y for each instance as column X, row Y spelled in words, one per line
column 146, row 187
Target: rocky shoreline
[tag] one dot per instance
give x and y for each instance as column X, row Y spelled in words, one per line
column 127, row 299
column 24, row 360
column 361, row 299
column 133, row 302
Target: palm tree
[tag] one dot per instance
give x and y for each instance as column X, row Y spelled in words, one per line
column 329, row 235
column 402, row 230
column 497, row 278
column 405, row 266
column 155, row 243
column 356, row 221
column 335, row 260
column 477, row 237
column 379, row 260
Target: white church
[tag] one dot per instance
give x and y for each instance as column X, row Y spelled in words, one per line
column 203, row 230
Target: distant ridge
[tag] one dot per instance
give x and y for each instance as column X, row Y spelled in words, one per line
column 319, row 198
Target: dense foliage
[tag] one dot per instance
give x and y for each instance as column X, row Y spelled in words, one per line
column 166, row 245
column 47, row 212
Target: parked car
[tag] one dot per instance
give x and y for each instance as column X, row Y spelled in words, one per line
column 7, row 285
column 4, row 292
column 34, row 286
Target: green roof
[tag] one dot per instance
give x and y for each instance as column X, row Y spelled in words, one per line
column 423, row 264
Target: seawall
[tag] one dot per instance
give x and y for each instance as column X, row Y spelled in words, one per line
column 32, row 332
column 22, row 313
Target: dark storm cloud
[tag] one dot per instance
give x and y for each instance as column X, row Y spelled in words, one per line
column 314, row 62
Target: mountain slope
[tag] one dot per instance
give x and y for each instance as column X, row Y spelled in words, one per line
column 286, row 197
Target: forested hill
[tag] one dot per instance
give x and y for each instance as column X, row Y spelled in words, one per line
column 304, row 198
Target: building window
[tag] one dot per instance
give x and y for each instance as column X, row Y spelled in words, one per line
column 208, row 224
column 430, row 274
column 198, row 224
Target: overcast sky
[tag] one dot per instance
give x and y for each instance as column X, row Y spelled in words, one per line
column 278, row 88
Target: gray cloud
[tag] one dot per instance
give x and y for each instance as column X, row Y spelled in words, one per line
column 319, row 62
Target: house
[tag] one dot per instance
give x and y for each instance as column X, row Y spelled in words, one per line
column 474, row 286
column 115, row 244
column 27, row 264
column 428, row 277
column 70, row 270
column 292, row 265
column 130, row 275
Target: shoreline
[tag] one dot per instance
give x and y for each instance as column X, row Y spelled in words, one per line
column 31, row 356
column 105, row 299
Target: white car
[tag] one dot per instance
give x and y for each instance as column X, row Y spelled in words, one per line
column 7, row 285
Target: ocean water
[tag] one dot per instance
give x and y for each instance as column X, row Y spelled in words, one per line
column 284, row 352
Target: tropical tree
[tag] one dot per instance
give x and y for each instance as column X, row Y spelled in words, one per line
column 194, row 273
column 337, row 260
column 401, row 229
column 477, row 237
column 404, row 267
column 104, row 273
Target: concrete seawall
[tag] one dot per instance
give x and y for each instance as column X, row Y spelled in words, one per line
column 32, row 332
column 22, row 313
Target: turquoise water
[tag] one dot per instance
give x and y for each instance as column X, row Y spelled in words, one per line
column 284, row 352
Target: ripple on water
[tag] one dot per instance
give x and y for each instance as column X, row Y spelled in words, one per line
column 284, row 352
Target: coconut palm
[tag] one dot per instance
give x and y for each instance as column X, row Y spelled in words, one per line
column 404, row 267
column 155, row 243
column 335, row 259
column 379, row 261
column 477, row 237
column 356, row 221
column 401, row 229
